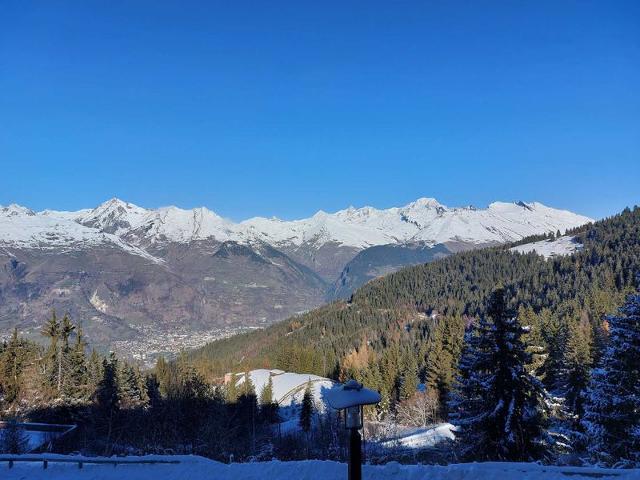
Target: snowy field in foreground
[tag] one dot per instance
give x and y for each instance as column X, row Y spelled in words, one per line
column 195, row 468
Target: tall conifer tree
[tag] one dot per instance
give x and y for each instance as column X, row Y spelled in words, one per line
column 612, row 410
column 499, row 404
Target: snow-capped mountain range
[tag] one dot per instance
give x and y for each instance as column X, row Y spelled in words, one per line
column 144, row 281
column 424, row 220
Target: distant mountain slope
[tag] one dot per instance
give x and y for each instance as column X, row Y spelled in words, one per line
column 326, row 242
column 143, row 281
column 381, row 260
column 400, row 308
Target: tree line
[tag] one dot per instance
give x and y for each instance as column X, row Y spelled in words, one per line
column 411, row 335
column 415, row 319
column 120, row 409
column 505, row 412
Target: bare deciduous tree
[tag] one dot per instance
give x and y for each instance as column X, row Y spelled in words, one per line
column 418, row 411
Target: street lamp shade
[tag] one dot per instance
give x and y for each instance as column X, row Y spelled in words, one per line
column 352, row 394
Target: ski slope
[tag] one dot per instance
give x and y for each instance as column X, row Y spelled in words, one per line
column 551, row 248
column 196, row 468
column 288, row 387
column 423, row 437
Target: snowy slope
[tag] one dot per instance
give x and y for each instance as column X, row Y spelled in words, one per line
column 23, row 228
column 193, row 467
column 288, row 387
column 424, row 437
column 551, row 248
column 113, row 216
column 424, row 220
column 167, row 223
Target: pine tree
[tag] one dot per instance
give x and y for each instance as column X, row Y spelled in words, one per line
column 131, row 391
column 51, row 330
column 94, row 372
column 153, row 390
column 163, row 375
column 556, row 337
column 266, row 394
column 12, row 364
column 107, row 398
column 500, row 405
column 576, row 373
column 191, row 384
column 536, row 343
column 443, row 356
column 468, row 404
column 231, row 390
column 66, row 329
column 246, row 408
column 268, row 408
column 306, row 409
column 77, row 386
column 612, row 416
column 409, row 385
column 247, row 388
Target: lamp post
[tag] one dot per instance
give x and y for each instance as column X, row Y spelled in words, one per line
column 351, row 397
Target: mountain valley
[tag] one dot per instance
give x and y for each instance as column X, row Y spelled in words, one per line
column 150, row 281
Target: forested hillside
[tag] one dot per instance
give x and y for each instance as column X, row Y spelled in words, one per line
column 413, row 320
column 547, row 323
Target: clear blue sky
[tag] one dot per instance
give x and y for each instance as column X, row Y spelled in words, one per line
column 284, row 108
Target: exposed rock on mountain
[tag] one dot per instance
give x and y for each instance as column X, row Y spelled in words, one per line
column 146, row 280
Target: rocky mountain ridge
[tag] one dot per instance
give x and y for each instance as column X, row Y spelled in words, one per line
column 147, row 280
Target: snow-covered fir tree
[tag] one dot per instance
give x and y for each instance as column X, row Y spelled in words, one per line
column 498, row 404
column 612, row 410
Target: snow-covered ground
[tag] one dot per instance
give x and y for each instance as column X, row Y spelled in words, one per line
column 551, row 248
column 423, row 437
column 288, row 387
column 196, row 468
column 38, row 434
column 288, row 390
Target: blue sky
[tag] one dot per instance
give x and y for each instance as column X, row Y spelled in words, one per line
column 284, row 108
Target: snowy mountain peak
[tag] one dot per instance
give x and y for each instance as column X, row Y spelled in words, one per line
column 424, row 202
column 320, row 215
column 115, row 204
column 424, row 220
column 113, row 216
column 14, row 210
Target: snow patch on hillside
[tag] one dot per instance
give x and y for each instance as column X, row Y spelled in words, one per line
column 288, row 387
column 566, row 245
column 424, row 437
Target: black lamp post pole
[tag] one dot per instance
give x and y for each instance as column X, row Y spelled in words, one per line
column 355, row 455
